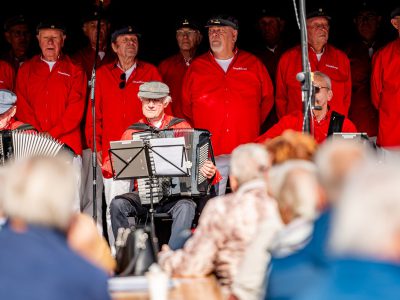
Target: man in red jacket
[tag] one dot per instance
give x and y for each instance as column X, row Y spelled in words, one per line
column 86, row 57
column 174, row 68
column 227, row 91
column 7, row 76
column 117, row 103
column 155, row 98
column 324, row 122
column 323, row 57
column 385, row 89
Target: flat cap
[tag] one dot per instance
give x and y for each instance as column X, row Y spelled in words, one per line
column 223, row 20
column 125, row 29
column 153, row 90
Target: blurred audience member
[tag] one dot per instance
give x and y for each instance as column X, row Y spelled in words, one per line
column 38, row 200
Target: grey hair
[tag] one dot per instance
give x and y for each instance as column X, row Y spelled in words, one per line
column 294, row 184
column 249, row 162
column 167, row 99
column 40, row 190
column 367, row 218
column 336, row 159
column 324, row 77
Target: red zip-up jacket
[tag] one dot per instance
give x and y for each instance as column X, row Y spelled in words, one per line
column 85, row 58
column 52, row 101
column 118, row 108
column 230, row 105
column 7, row 76
column 333, row 63
column 295, row 121
column 385, row 93
column 172, row 71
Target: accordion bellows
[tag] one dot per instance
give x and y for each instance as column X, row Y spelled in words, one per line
column 19, row 144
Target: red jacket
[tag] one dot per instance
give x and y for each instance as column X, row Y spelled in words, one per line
column 295, row 121
column 117, row 108
column 172, row 71
column 7, row 76
column 333, row 63
column 53, row 101
column 230, row 105
column 385, row 93
column 85, row 58
column 362, row 112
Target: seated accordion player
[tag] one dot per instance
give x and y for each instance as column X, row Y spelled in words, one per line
column 197, row 149
column 15, row 144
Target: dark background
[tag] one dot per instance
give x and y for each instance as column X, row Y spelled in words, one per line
column 157, row 21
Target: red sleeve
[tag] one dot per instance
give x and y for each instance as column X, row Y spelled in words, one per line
column 347, row 87
column 73, row 115
column 287, row 122
column 281, row 96
column 348, row 126
column 267, row 100
column 24, row 110
column 7, row 76
column 376, row 80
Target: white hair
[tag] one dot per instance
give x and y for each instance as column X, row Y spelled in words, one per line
column 40, row 190
column 324, row 77
column 336, row 159
column 294, row 185
column 249, row 162
column 367, row 218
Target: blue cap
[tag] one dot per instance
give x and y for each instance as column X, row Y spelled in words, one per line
column 223, row 20
column 126, row 29
column 7, row 100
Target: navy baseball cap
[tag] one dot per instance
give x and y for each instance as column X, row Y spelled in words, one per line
column 223, row 20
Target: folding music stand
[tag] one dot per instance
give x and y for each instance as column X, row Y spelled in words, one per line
column 133, row 159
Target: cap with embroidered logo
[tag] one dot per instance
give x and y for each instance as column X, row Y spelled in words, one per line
column 223, row 20
column 187, row 23
column 395, row 12
column 317, row 12
column 126, row 29
column 51, row 24
column 153, row 90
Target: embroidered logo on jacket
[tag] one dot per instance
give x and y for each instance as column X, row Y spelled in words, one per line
column 332, row 67
column 240, row 68
column 62, row 73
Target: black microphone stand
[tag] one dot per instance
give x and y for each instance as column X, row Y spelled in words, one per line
column 93, row 106
column 305, row 77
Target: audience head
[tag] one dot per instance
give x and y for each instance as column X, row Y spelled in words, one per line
column 155, row 98
column 222, row 35
column 367, row 218
column 40, row 191
column 248, row 162
column 291, row 145
column 336, row 159
column 18, row 35
column 295, row 186
column 51, row 36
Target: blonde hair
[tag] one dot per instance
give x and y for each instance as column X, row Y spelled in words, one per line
column 40, row 190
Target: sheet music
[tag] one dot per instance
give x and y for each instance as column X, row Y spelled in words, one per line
column 172, row 149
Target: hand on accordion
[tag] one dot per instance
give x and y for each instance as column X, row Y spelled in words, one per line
column 208, row 169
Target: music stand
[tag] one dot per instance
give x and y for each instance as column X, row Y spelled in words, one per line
column 162, row 157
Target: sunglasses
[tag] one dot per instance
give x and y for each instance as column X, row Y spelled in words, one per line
column 122, row 84
column 317, row 89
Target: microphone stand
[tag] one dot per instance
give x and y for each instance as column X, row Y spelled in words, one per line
column 93, row 106
column 305, row 77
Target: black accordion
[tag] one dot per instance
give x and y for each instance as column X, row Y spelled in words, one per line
column 16, row 144
column 198, row 149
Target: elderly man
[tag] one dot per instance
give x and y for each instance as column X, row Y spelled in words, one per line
column 117, row 103
column 228, row 223
column 227, row 91
column 324, row 122
column 86, row 58
column 385, row 89
column 360, row 50
column 174, row 68
column 38, row 199
column 323, row 57
column 18, row 35
column 155, row 98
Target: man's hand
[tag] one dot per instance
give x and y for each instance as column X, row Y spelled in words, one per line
column 208, row 169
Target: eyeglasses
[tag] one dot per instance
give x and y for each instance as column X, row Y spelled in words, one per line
column 320, row 26
column 122, row 84
column 317, row 89
column 185, row 32
column 217, row 31
column 154, row 101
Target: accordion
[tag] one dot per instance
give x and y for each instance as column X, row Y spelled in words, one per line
column 198, row 150
column 16, row 144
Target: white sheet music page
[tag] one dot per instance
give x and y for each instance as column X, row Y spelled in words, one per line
column 172, row 150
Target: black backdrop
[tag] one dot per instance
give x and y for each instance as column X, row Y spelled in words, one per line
column 156, row 20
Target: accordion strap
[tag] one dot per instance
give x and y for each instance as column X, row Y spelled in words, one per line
column 24, row 127
column 336, row 123
column 145, row 127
